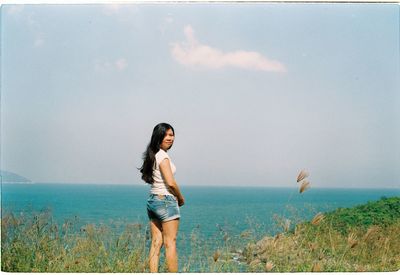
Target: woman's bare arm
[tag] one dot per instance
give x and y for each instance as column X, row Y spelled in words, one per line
column 169, row 179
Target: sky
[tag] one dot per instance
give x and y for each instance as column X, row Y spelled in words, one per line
column 256, row 92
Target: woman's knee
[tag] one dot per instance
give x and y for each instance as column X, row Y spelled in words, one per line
column 157, row 243
column 169, row 242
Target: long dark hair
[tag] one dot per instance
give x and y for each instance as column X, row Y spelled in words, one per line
column 149, row 158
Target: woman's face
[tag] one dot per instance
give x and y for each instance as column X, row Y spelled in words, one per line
column 168, row 140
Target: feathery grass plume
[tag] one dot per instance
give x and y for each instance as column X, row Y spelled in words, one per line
column 352, row 240
column 216, row 255
column 245, row 234
column 226, row 237
column 298, row 230
column 277, row 237
column 316, row 267
column 304, row 186
column 317, row 218
column 372, row 230
column 286, row 225
column 269, row 266
column 303, row 174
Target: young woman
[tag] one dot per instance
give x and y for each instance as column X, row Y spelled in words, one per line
column 165, row 197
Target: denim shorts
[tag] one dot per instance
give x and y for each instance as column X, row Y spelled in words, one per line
column 162, row 209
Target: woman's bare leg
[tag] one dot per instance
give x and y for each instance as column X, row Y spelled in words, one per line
column 156, row 244
column 170, row 230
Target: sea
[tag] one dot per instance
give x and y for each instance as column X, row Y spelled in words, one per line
column 208, row 210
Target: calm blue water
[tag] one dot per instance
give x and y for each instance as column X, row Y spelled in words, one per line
column 233, row 208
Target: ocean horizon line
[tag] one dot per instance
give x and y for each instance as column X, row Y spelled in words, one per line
column 200, row 185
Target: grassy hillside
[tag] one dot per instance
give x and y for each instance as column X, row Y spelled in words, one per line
column 361, row 238
column 383, row 212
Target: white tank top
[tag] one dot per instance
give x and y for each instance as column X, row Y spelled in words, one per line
column 159, row 187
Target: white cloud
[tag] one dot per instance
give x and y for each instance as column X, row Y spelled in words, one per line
column 123, row 13
column 169, row 19
column 193, row 54
column 119, row 64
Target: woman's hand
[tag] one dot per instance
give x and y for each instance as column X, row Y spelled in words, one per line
column 181, row 201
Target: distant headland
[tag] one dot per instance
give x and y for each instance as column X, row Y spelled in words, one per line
column 9, row 177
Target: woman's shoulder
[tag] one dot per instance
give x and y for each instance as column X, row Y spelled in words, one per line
column 161, row 152
column 160, row 155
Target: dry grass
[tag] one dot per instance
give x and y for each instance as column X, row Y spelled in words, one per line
column 319, row 247
column 317, row 219
column 36, row 244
